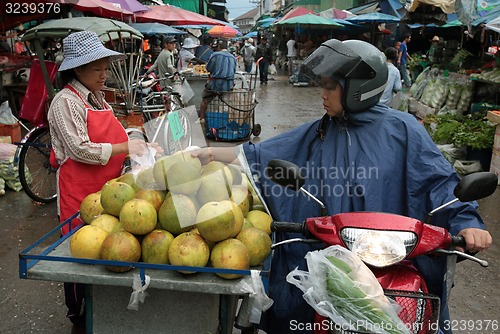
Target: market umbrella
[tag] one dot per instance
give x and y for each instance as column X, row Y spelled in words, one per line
column 223, row 32
column 311, row 21
column 172, row 15
column 251, row 34
column 101, row 8
column 374, row 19
column 297, row 11
column 494, row 25
column 156, row 28
column 133, row 6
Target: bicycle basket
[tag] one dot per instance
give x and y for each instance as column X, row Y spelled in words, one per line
column 230, row 115
column 419, row 312
column 33, row 108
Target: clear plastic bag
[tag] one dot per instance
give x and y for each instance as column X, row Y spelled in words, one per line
column 340, row 286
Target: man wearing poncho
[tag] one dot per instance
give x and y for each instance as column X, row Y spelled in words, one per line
column 361, row 156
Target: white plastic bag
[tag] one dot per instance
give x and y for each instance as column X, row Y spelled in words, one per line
column 272, row 69
column 6, row 116
column 348, row 294
column 466, row 167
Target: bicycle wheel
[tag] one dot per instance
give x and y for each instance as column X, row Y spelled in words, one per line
column 183, row 142
column 37, row 176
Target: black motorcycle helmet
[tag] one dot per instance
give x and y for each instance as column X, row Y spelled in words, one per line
column 360, row 64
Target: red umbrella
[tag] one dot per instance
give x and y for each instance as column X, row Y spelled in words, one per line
column 101, row 8
column 223, row 32
column 172, row 15
column 298, row 11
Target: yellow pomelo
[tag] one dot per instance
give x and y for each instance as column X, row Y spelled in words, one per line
column 258, row 243
column 114, row 195
column 230, row 254
column 242, row 197
column 188, row 249
column 183, row 177
column 213, row 188
column 238, row 218
column 186, row 156
column 175, row 211
column 107, row 222
column 138, row 216
column 129, row 179
column 91, row 207
column 246, row 224
column 87, row 241
column 260, row 219
column 155, row 246
column 215, row 221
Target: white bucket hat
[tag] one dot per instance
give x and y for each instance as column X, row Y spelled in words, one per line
column 84, row 47
column 189, row 44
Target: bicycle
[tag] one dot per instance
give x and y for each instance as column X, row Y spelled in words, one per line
column 156, row 104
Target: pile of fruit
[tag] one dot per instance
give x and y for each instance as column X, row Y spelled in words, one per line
column 177, row 212
column 200, row 69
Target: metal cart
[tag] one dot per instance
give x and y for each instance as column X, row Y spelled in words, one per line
column 230, row 116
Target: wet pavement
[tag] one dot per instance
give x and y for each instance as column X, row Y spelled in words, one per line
column 28, row 306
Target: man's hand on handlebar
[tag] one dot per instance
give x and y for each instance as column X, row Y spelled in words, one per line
column 476, row 239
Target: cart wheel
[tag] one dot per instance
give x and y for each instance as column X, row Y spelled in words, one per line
column 256, row 130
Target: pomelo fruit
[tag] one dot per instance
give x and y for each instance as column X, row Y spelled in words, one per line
column 258, row 243
column 215, row 221
column 91, row 207
column 129, row 179
column 177, row 214
column 160, row 169
column 114, row 195
column 238, row 218
column 216, row 166
column 155, row 197
column 213, row 188
column 87, row 241
column 236, row 173
column 183, row 178
column 120, row 246
column 145, row 179
column 242, row 197
column 109, row 223
column 230, row 254
column 260, row 219
column 155, row 246
column 188, row 249
column 246, row 224
column 138, row 216
column 186, row 156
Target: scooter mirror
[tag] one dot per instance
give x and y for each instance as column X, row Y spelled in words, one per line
column 476, row 186
column 285, row 174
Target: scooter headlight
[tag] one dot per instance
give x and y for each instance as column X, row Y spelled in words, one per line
column 379, row 248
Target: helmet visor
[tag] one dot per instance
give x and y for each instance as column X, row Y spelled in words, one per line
column 334, row 60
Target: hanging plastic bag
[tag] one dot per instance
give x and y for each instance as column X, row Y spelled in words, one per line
column 466, row 167
column 6, row 116
column 340, row 286
column 272, row 69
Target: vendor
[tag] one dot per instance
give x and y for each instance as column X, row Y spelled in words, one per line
column 186, row 54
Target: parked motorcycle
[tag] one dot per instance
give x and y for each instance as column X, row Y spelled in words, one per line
column 386, row 243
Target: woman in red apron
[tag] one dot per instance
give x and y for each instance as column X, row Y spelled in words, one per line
column 89, row 143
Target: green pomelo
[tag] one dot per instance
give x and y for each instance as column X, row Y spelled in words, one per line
column 183, row 178
column 213, row 188
column 155, row 246
column 215, row 221
column 260, row 219
column 129, row 179
column 160, row 169
column 138, row 216
column 242, row 197
column 188, row 249
column 145, row 179
column 120, row 246
column 230, row 254
column 155, row 197
column 114, row 195
column 258, row 243
column 177, row 210
column 107, row 222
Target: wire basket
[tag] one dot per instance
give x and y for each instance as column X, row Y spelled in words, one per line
column 230, row 115
column 419, row 312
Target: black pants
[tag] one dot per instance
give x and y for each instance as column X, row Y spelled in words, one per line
column 74, row 294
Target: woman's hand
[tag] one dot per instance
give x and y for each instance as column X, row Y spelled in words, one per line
column 137, row 147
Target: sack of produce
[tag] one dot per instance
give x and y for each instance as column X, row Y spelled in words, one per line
column 465, row 97
column 428, row 92
column 439, row 93
column 452, row 153
column 340, row 286
column 455, row 90
column 465, row 167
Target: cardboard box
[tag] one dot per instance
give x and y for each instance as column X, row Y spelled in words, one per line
column 11, row 130
column 494, row 116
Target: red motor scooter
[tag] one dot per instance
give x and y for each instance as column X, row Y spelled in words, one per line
column 385, row 242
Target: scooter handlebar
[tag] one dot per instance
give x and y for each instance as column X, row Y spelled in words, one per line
column 288, row 227
column 458, row 241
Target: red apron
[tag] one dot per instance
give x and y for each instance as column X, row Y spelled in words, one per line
column 76, row 179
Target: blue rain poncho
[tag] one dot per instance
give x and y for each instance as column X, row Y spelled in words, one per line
column 379, row 160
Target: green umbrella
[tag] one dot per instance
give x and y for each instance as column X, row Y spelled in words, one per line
column 311, row 21
column 455, row 23
column 106, row 29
